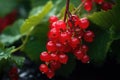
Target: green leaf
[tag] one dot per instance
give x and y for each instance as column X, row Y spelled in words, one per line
column 34, row 20
column 6, row 53
column 7, row 6
column 67, row 69
column 11, row 33
column 98, row 49
column 37, row 42
column 105, row 19
column 18, row 60
column 2, row 45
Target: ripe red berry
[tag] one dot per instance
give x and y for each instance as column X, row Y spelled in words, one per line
column 43, row 68
column 53, row 56
column 84, row 23
column 53, row 19
column 55, row 65
column 88, row 5
column 99, row 1
column 51, row 47
column 84, row 48
column 60, row 47
column 64, row 37
column 79, row 54
column 74, row 42
column 88, row 36
column 61, row 25
column 85, row 59
column 73, row 21
column 63, row 58
column 50, row 74
column 106, row 6
column 53, row 34
column 44, row 56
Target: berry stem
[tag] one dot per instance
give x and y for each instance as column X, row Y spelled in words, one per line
column 79, row 7
column 66, row 10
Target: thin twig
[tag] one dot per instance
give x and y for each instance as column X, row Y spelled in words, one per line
column 79, row 7
column 66, row 10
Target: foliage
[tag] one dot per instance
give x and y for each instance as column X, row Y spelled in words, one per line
column 32, row 32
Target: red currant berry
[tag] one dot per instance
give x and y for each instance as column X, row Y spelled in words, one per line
column 106, row 6
column 79, row 54
column 88, row 36
column 51, row 47
column 55, row 65
column 84, row 48
column 53, row 34
column 53, row 56
column 74, row 42
column 53, row 19
column 43, row 68
column 84, row 23
column 88, row 5
column 85, row 59
column 60, row 47
column 64, row 37
column 99, row 1
column 44, row 56
column 63, row 58
column 50, row 74
column 61, row 25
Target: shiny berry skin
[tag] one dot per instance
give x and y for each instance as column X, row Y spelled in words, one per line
column 84, row 23
column 85, row 59
column 44, row 56
column 61, row 25
column 99, row 1
column 88, row 36
column 79, row 54
column 50, row 74
column 84, row 48
column 55, row 65
column 74, row 42
column 73, row 21
column 106, row 6
column 51, row 47
column 64, row 37
column 53, row 34
column 53, row 56
column 60, row 47
column 53, row 19
column 88, row 5
column 63, row 58
column 43, row 68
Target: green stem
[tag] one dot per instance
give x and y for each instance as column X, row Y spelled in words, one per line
column 24, row 42
column 79, row 7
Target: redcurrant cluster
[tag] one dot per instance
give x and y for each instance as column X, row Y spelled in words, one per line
column 13, row 73
column 65, row 37
column 7, row 20
column 88, row 4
